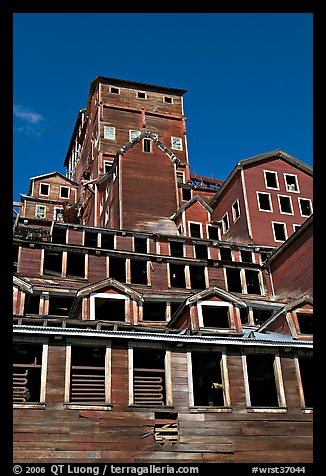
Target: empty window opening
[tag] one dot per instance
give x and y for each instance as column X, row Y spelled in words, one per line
column 176, row 248
column 271, row 179
column 107, row 165
column 177, row 276
column 233, row 280
column 59, row 234
column 168, row 99
column 244, row 315
column 213, row 233
column 52, row 262
column 197, row 277
column 147, row 145
column 32, row 304
column 174, row 306
column 252, row 280
column 138, row 271
column 44, row 189
column 27, row 365
column 225, row 223
column 305, row 322
column 141, row 95
column 90, row 239
column 279, row 231
column 207, row 379
column 246, row 256
column 285, row 204
column 107, row 309
column 216, row 316
column 201, row 251
column 114, row 90
column 64, row 192
column 154, row 311
column 264, row 256
column 140, row 244
column 305, row 207
column 261, row 315
column 291, row 183
column 195, row 230
column 261, row 379
column 87, row 375
column 264, row 201
column 107, row 241
column 235, row 210
column 166, row 427
column 307, row 379
column 186, row 194
column 75, row 265
column 149, row 377
column 60, row 305
column 117, row 268
column 226, row 254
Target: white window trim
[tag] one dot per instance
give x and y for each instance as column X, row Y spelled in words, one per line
column 285, row 231
column 296, row 180
column 180, row 146
column 270, row 202
column 168, row 102
column 49, row 188
column 208, row 250
column 114, row 87
column 107, row 163
column 232, row 253
column 208, row 226
column 235, row 218
column 183, row 176
column 200, row 304
column 294, row 227
column 120, row 297
column 279, row 204
column 225, row 230
column 111, row 135
column 308, row 200
column 276, row 175
column 150, row 142
column 260, row 280
column 131, row 131
column 37, row 207
column 69, row 190
column 195, row 223
column 141, row 92
column 55, row 209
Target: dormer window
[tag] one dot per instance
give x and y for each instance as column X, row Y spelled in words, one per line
column 215, row 316
column 305, row 323
column 64, row 192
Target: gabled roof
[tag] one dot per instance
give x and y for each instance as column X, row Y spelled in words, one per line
column 261, row 158
column 109, row 282
column 190, row 202
column 43, row 176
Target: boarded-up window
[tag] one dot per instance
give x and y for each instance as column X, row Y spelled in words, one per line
column 27, row 365
column 166, row 427
column 149, row 377
column 261, row 380
column 208, row 386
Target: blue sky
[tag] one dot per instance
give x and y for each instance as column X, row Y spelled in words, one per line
column 248, row 77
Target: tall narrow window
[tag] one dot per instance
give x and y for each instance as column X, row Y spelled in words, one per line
column 305, row 207
column 64, row 192
column 225, row 223
column 197, row 277
column 147, row 145
column 138, row 271
column 213, row 232
column 195, row 230
column 40, row 211
column 177, row 276
column 107, row 241
column 117, row 268
column 59, row 234
column 305, row 322
column 186, row 193
column 208, row 386
column 52, row 263
column 279, row 230
column 149, row 377
column 235, row 210
column 261, row 380
column 27, row 373
column 252, row 281
column 233, row 280
column 75, row 265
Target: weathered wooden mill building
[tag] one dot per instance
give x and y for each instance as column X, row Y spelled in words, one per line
column 161, row 316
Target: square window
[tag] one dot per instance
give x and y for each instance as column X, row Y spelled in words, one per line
column 141, row 95
column 195, row 230
column 271, row 179
column 176, row 248
column 64, row 192
column 140, row 244
column 246, row 256
column 201, row 251
column 226, row 254
column 45, row 189
column 264, row 201
column 305, row 322
column 176, row 143
column 109, row 133
column 107, row 309
column 133, row 134
column 305, row 207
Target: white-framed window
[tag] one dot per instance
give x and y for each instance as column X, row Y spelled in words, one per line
column 291, row 183
column 109, row 132
column 168, row 99
column 107, row 165
column 141, row 95
column 195, row 229
column 264, row 201
column 279, row 231
column 147, row 145
column 285, row 204
column 176, row 143
column 44, row 189
column 215, row 314
column 109, row 307
column 225, row 223
column 114, row 90
column 58, row 214
column 213, row 232
column 305, row 206
column 271, row 179
column 64, row 191
column 296, row 227
column 40, row 211
column 180, row 177
column 235, row 210
column 133, row 134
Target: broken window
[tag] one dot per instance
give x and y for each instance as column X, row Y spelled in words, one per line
column 201, row 251
column 279, row 230
column 195, row 230
column 117, row 268
column 291, row 182
column 261, row 315
column 138, row 271
column 252, row 281
column 225, row 223
column 186, row 193
column 305, row 207
column 235, row 210
column 176, row 248
column 208, row 385
column 215, row 316
column 60, row 305
column 140, row 244
column 305, row 322
column 166, row 427
column 75, row 265
column 87, row 375
column 52, row 264
column 264, row 201
column 246, row 256
column 154, row 311
column 261, row 380
column 213, row 232
column 59, row 234
column 233, row 280
column 107, row 241
column 226, row 254
column 44, row 189
column 32, row 304
column 271, row 179
column 27, row 366
column 285, row 204
column 107, row 309
column 177, row 276
column 109, row 132
column 176, row 143
column 149, row 377
column 307, row 380
column 197, row 277
column 90, row 238
column 64, row 192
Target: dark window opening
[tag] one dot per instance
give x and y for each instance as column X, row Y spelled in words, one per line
column 44, row 189
column 264, row 256
column 59, row 234
column 15, row 257
column 64, row 192
column 225, row 223
column 60, row 305
column 216, row 316
column 252, row 280
column 285, row 204
column 75, row 265
column 186, row 194
column 52, row 263
column 177, row 276
column 174, row 306
column 90, row 239
column 166, row 427
column 233, row 280
column 307, row 379
column 271, row 179
column 207, row 379
column 107, row 241
column 261, row 378
column 168, row 99
column 201, row 251
column 236, row 210
column 140, row 245
column 141, row 95
column 149, row 377
column 213, row 232
column 176, row 248
column 305, row 207
column 114, row 90
column 117, row 268
column 32, row 304
column 87, row 379
column 226, row 254
column 197, row 277
column 195, row 230
column 279, row 231
column 261, row 315
column 305, row 322
column 246, row 256
column 107, row 309
column 154, row 311
column 244, row 315
column 138, row 271
column 27, row 364
column 264, row 201
column 147, row 146
column 291, row 183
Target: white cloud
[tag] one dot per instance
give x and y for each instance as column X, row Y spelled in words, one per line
column 27, row 115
